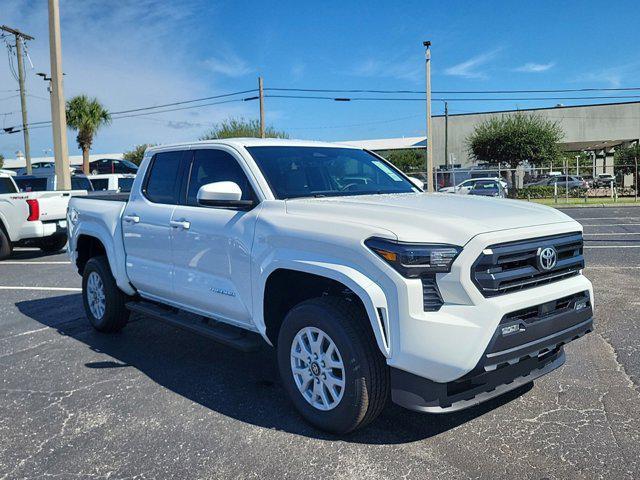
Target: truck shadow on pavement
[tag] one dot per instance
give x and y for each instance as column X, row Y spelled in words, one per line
column 243, row 386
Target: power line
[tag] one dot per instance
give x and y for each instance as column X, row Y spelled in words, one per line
column 183, row 102
column 468, row 99
column 448, row 92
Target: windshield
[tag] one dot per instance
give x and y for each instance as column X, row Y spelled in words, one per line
column 294, row 172
column 486, row 185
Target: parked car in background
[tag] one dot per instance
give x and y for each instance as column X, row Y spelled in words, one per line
column 571, row 181
column 112, row 182
column 488, row 188
column 32, row 219
column 466, row 186
column 48, row 182
column 589, row 180
column 10, row 173
column 37, row 167
column 367, row 289
column 605, row 180
column 109, row 165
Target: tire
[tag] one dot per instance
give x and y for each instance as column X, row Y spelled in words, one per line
column 109, row 315
column 6, row 248
column 365, row 375
column 53, row 244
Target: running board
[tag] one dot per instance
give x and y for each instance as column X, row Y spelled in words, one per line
column 223, row 333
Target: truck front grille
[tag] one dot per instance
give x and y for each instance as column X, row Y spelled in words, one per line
column 509, row 267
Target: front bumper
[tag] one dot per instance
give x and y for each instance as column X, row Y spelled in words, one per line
column 524, row 347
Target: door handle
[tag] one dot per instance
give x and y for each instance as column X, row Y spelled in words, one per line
column 183, row 224
column 131, row 218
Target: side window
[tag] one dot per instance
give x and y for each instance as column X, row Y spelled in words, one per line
column 163, row 180
column 100, row 183
column 211, row 166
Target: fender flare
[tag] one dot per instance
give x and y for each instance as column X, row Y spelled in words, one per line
column 115, row 256
column 369, row 292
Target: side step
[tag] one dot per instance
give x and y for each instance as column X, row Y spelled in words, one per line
column 229, row 335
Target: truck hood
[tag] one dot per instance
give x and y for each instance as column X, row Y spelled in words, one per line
column 437, row 217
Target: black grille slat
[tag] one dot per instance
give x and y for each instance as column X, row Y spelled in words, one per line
column 431, row 298
column 509, row 267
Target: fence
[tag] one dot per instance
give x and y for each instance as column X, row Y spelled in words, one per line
column 570, row 184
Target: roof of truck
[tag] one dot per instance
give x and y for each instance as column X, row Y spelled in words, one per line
column 254, row 142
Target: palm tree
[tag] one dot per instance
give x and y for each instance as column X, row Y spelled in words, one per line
column 86, row 115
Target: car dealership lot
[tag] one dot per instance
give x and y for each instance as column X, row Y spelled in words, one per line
column 157, row 402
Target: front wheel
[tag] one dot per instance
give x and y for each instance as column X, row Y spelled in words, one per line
column 330, row 364
column 104, row 302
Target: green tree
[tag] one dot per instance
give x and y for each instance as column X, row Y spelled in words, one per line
column 1, row 160
column 136, row 154
column 86, row 116
column 624, row 159
column 239, row 127
column 407, row 160
column 509, row 140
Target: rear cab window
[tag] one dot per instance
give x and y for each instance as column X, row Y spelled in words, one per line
column 164, row 178
column 6, row 186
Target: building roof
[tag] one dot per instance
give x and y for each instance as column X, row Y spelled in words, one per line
column 388, row 143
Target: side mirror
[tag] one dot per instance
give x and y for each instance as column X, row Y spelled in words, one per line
column 222, row 194
column 417, row 182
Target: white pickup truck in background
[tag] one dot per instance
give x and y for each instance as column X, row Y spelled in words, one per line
column 365, row 285
column 36, row 219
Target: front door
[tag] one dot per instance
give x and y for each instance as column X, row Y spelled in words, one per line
column 211, row 245
column 146, row 226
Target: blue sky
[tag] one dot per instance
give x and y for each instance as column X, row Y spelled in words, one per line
column 141, row 53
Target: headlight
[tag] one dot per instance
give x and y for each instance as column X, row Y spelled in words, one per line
column 413, row 260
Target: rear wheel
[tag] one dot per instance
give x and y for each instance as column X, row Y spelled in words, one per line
column 330, row 364
column 104, row 302
column 5, row 245
column 53, row 244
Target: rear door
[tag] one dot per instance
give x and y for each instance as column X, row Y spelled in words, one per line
column 145, row 225
column 211, row 245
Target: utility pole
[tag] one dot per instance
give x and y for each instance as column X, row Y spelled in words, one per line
column 429, row 144
column 58, row 118
column 20, row 38
column 261, row 93
column 446, row 134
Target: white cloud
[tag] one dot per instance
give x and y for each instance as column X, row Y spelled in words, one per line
column 132, row 55
column 531, row 67
column 470, row 68
column 409, row 69
column 228, row 64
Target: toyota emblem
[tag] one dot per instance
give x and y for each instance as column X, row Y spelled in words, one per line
column 547, row 258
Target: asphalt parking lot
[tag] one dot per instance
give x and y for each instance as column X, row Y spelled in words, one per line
column 157, row 402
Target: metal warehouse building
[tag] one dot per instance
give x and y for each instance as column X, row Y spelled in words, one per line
column 598, row 129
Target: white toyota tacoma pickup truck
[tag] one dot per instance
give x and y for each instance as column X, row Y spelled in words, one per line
column 36, row 219
column 366, row 286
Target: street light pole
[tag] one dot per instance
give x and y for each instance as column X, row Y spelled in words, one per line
column 428, row 142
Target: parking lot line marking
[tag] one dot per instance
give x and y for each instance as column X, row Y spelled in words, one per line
column 608, row 224
column 607, row 218
column 614, row 233
column 611, row 246
column 27, row 262
column 610, row 267
column 51, row 289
